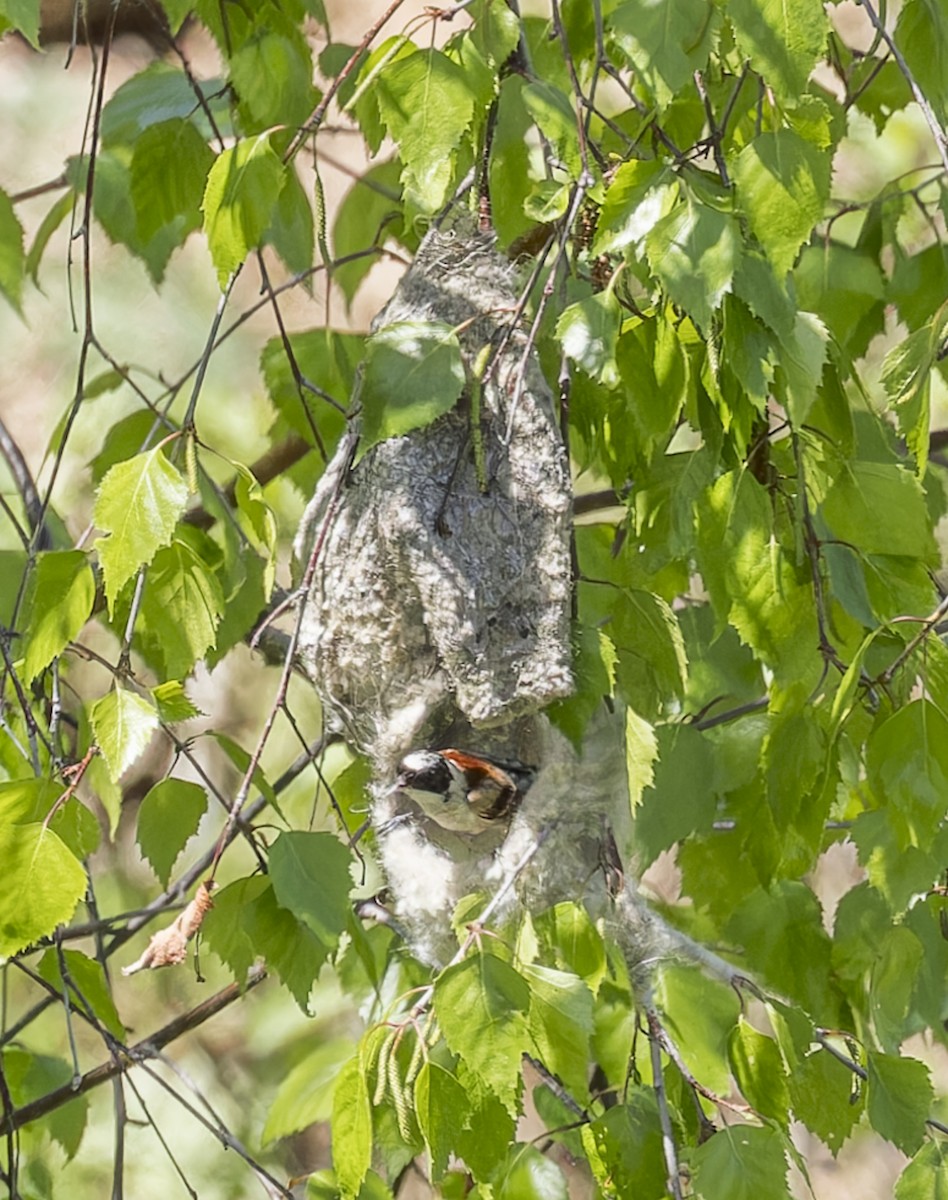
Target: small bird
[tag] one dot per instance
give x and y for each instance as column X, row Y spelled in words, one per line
column 460, row 791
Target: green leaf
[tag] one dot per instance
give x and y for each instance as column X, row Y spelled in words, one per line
column 881, row 509
column 561, row 1022
column 426, row 103
column 40, row 885
column 783, row 186
column 173, row 702
column 351, row 1128
column 576, row 942
column 639, row 195
column 741, row 1163
column 700, row 1015
column 292, row 231
column 481, row 1005
column 159, row 93
column 168, row 174
column 137, row 506
column 48, row 226
column 681, row 800
column 553, row 112
column 24, row 16
column 31, row 1076
column 123, row 723
column 12, row 257
column 59, row 602
column 922, row 35
column 272, row 72
column 168, row 817
column 823, row 1098
column 413, row 374
column 758, row 1068
column 305, row 1095
column 846, row 289
column 625, row 1148
column 651, row 651
column 899, row 1099
column 782, row 931
column 588, row 332
column 800, row 366
column 926, row 1176
column 181, row 607
column 367, row 216
column 693, row 253
column 666, row 43
column 752, row 582
column 907, row 374
column 509, row 167
column 530, row 1175
column 442, row 1108
column 310, row 873
column 90, row 991
column 240, row 198
column 783, row 40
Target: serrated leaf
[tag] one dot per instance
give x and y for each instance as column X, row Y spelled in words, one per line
column 576, row 942
column 899, row 1099
column 310, row 873
column 59, row 602
column 91, row 987
column 783, row 40
column 625, row 1147
column 666, row 42
column 481, row 1005
column 823, row 1097
column 639, row 195
column 40, row 885
column 759, row 1071
column 553, row 112
column 272, row 72
column 680, row 799
column 783, row 186
column 137, row 506
column 442, row 1108
column 880, row 508
column 182, row 605
column 693, row 253
column 368, row 214
column 921, row 33
column 12, row 256
column 168, row 174
column 173, row 702
column 741, row 1163
column 351, row 1128
column 907, row 374
column 700, row 1016
column 561, row 1023
column 240, row 198
column 588, row 332
column 926, row 1176
column 426, row 103
column 31, row 1076
column 167, row 819
column 800, row 366
column 292, row 231
column 159, row 93
column 305, row 1094
column 413, row 374
column 123, row 723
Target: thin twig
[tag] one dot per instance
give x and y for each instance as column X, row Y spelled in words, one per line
column 139, row 1053
column 669, row 1149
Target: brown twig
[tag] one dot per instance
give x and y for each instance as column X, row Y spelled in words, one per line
column 139, row 1053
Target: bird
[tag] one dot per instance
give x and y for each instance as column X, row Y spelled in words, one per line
column 461, row 791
